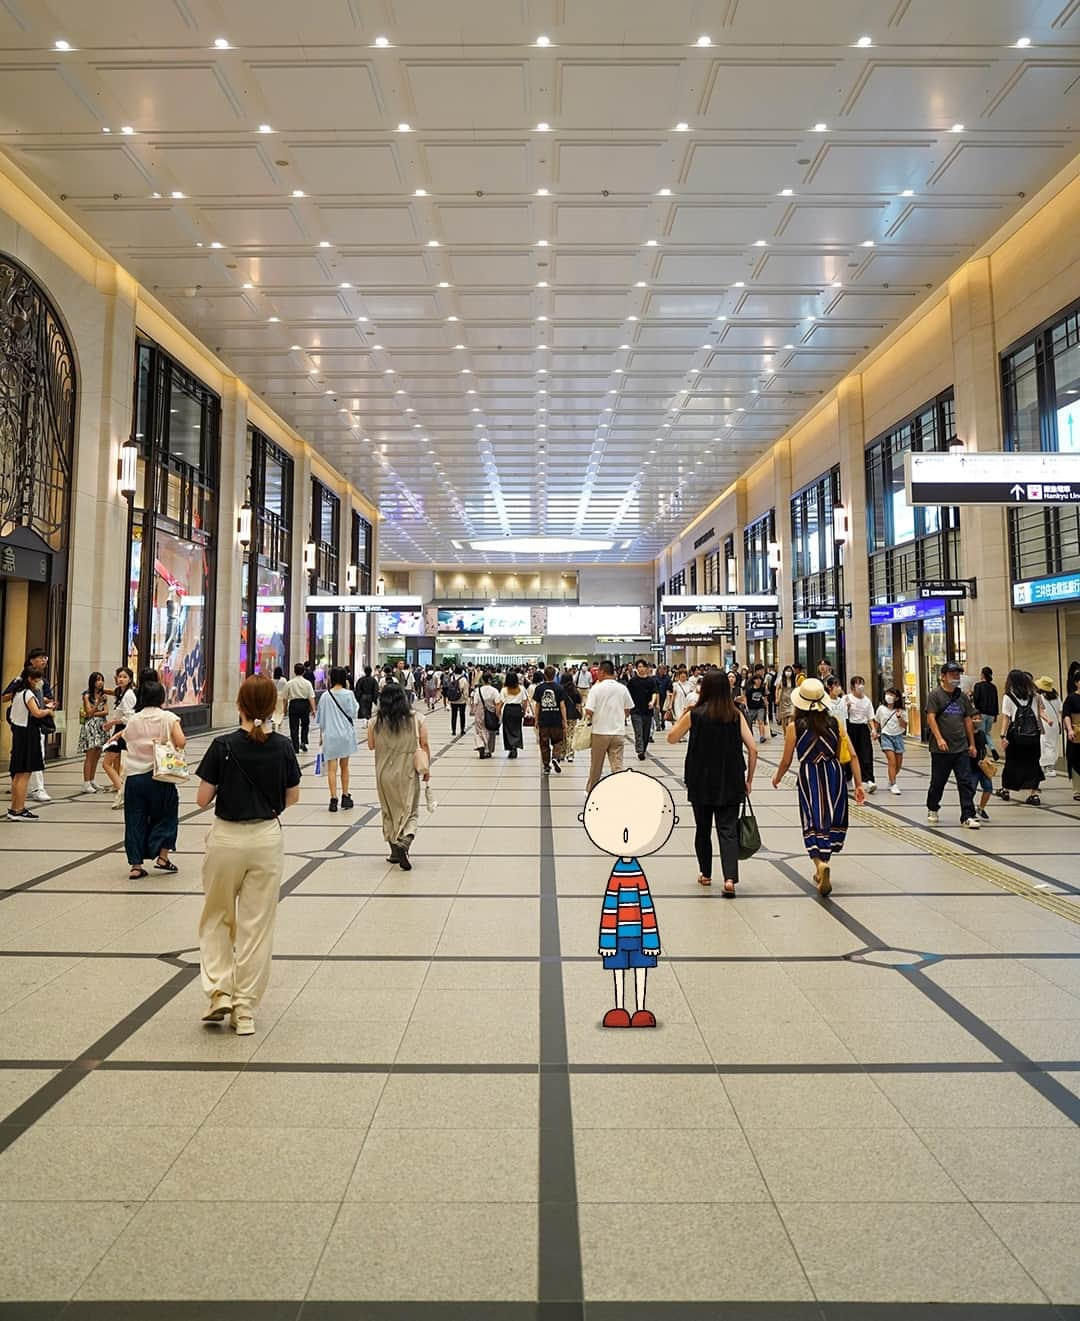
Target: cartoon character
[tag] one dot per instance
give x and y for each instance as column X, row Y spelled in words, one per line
column 629, row 815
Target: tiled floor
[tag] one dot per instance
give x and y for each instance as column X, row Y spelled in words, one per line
column 848, row 1104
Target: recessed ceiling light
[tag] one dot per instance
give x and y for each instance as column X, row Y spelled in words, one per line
column 106, row 130
column 640, row 284
column 404, row 128
column 863, row 42
column 361, row 318
column 541, row 371
column 433, row 243
column 127, row 130
column 682, row 127
column 345, row 285
column 273, row 318
column 957, row 128
column 265, row 128
column 420, row 192
column 543, row 127
column 650, row 243
column 222, row 43
column 821, row 128
column 294, row 348
column 664, row 192
column 624, row 346
column 868, row 243
column 61, row 45
column 789, row 346
column 1023, row 43
column 543, row 41
column 459, row 346
column 444, row 284
column 158, row 195
column 388, row 371
column 451, row 318
column 760, row 243
column 740, row 284
column 382, row 41
column 466, row 371
column 787, row 192
column 298, row 192
column 704, row 41
column 721, row 318
column 541, row 284
column 541, row 318
column 908, row 192
column 631, row 318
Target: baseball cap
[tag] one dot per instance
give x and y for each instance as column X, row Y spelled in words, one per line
column 952, row 667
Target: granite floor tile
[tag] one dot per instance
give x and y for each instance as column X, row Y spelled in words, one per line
column 459, row 1101
column 48, row 1248
column 1010, row 1165
column 72, row 1163
column 673, row 1165
column 1045, row 1239
column 447, row 1165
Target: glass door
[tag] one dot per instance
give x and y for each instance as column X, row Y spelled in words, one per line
column 912, row 672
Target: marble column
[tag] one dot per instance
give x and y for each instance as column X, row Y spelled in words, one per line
column 785, row 638
column 232, row 492
column 854, row 556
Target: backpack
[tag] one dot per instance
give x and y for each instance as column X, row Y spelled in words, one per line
column 1025, row 724
column 452, row 689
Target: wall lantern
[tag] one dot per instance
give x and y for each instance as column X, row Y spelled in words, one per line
column 309, row 557
column 774, row 554
column 243, row 525
column 351, row 577
column 380, row 587
column 840, row 526
column 129, row 455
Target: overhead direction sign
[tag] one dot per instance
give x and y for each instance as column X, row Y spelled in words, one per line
column 959, row 478
column 730, row 604
column 349, row 605
column 952, row 589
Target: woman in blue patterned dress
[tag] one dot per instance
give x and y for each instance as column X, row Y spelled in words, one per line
column 823, row 797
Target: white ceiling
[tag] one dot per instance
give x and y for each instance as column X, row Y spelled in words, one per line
column 424, row 380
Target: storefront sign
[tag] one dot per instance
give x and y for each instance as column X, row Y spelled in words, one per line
column 959, row 478
column 899, row 612
column 827, row 612
column 349, row 605
column 814, row 625
column 953, row 589
column 1047, row 591
column 20, row 562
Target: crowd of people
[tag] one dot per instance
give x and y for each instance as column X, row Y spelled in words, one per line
column 252, row 774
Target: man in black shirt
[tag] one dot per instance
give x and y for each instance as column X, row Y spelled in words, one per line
column 367, row 693
column 549, row 705
column 645, row 694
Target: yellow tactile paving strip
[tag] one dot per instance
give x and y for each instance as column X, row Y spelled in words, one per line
column 969, row 862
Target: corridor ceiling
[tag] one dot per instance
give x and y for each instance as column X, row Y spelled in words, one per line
column 542, row 267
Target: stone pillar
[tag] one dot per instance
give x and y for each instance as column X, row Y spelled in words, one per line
column 785, row 639
column 232, row 491
column 742, row 647
column 854, row 556
column 993, row 628
column 299, row 579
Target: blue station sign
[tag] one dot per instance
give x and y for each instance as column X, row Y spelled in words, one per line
column 1047, row 591
column 899, row 612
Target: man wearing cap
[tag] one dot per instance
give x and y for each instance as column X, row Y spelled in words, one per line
column 951, row 718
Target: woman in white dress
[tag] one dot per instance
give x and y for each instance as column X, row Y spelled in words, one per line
column 1050, row 741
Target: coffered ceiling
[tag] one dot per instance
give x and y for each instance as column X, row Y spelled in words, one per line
column 554, row 289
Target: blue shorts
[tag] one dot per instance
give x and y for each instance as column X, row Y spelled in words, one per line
column 893, row 743
column 628, row 954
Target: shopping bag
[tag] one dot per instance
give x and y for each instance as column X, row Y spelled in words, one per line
column 429, row 797
column 582, row 736
column 59, row 721
column 170, row 764
column 749, row 835
column 318, row 763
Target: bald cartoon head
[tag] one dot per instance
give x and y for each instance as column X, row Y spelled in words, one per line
column 629, row 814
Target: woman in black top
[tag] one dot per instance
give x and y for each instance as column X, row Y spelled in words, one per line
column 717, row 779
column 574, row 709
column 250, row 776
column 756, row 699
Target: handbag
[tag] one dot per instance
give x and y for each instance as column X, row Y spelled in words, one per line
column 420, row 759
column 989, row 767
column 59, row 722
column 491, row 718
column 749, row 834
column 582, row 736
column 844, row 751
column 170, row 763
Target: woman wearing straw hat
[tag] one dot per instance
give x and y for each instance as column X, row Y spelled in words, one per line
column 823, row 798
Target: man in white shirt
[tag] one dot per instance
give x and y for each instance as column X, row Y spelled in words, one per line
column 300, row 704
column 606, row 708
column 584, row 678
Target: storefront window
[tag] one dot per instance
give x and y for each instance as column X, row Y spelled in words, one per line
column 176, row 427
column 1041, row 395
column 265, row 592
column 758, row 577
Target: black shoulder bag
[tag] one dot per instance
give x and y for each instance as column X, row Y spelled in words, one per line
column 233, row 760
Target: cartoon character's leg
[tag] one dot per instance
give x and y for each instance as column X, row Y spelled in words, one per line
column 618, row 1017
column 642, row 1016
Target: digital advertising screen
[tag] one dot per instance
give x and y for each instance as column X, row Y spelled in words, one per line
column 462, row 621
column 401, row 623
column 590, row 620
column 507, row 621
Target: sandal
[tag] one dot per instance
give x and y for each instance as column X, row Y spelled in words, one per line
column 704, row 880
column 137, row 873
column 1076, row 798
column 1033, row 801
column 729, row 894
column 159, row 865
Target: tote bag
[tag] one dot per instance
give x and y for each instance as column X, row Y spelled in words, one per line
column 170, row 763
column 749, row 834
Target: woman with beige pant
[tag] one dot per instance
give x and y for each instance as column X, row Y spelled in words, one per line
column 251, row 776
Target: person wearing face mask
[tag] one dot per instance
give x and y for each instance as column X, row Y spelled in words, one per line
column 862, row 729
column 892, row 726
column 951, row 718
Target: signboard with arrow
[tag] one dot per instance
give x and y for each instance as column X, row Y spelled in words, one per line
column 959, row 478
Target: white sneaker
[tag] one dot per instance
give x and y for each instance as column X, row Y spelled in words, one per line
column 894, row 789
column 972, row 823
column 870, row 786
column 932, row 818
column 89, row 787
column 118, row 806
column 40, row 796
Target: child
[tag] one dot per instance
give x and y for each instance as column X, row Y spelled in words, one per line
column 978, row 775
column 892, row 724
column 629, row 815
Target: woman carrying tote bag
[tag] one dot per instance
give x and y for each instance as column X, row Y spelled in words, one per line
column 151, row 805
column 717, row 779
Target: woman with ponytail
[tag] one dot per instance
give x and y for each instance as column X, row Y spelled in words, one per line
column 251, row 776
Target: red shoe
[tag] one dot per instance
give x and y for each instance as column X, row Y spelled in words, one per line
column 643, row 1018
column 618, row 1018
